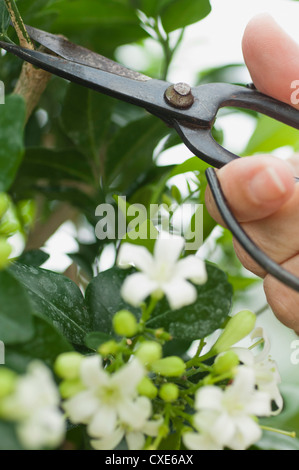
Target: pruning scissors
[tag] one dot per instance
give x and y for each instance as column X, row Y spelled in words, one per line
column 190, row 111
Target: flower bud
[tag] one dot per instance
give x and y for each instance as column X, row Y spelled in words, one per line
column 169, row 392
column 149, row 352
column 4, row 203
column 171, row 366
column 239, row 326
column 67, row 365
column 70, row 388
column 225, row 362
column 125, row 324
column 5, row 252
column 26, row 211
column 163, row 335
column 110, row 347
column 7, row 382
column 9, row 223
column 147, row 389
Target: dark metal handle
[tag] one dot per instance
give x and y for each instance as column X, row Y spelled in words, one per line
column 245, row 241
column 209, row 99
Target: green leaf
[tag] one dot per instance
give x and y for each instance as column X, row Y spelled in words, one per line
column 16, row 324
column 177, row 14
column 270, row 135
column 34, row 258
column 95, row 339
column 200, row 319
column 103, row 299
column 8, row 437
column 85, row 118
column 4, row 18
column 57, row 299
column 130, row 153
column 46, row 344
column 53, row 165
column 12, row 121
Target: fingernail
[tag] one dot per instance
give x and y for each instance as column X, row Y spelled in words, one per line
column 267, row 185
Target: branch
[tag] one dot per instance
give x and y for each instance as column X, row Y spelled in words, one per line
column 18, row 24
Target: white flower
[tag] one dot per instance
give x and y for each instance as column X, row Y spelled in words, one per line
column 265, row 369
column 34, row 405
column 161, row 273
column 134, row 435
column 109, row 399
column 225, row 418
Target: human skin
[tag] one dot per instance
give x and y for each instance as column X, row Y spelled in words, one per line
column 260, row 189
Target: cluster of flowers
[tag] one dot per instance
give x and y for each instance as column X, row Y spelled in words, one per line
column 129, row 390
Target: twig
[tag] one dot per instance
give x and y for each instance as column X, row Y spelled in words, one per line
column 18, row 24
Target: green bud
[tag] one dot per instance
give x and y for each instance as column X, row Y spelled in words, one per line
column 7, row 382
column 239, row 326
column 169, row 392
column 125, row 324
column 149, row 352
column 163, row 335
column 171, row 366
column 4, row 203
column 225, row 362
column 70, row 388
column 146, row 388
column 10, row 223
column 67, row 365
column 5, row 252
column 110, row 347
column 26, row 211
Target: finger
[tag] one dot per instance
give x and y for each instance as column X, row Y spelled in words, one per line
column 283, row 300
column 254, row 187
column 271, row 56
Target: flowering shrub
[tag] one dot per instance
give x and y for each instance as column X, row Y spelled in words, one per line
column 148, row 350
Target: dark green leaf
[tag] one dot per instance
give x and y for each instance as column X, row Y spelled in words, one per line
column 16, row 323
column 85, row 117
column 45, row 346
column 130, row 153
column 4, row 18
column 95, row 339
column 57, row 299
column 12, row 121
column 179, row 14
column 103, row 299
column 34, row 258
column 8, row 437
column 200, row 319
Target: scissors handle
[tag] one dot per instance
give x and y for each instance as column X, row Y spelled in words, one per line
column 212, row 97
column 270, row 266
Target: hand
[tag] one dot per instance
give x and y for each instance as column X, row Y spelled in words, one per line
column 261, row 189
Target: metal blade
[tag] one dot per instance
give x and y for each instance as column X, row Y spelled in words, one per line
column 147, row 94
column 81, row 55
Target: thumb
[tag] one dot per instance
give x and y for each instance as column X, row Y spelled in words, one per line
column 255, row 187
column 271, row 56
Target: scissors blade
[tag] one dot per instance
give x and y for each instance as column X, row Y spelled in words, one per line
column 147, row 94
column 74, row 53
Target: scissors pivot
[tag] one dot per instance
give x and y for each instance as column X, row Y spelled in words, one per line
column 179, row 96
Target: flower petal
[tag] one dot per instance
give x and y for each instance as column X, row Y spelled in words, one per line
column 81, row 407
column 195, row 441
column 167, row 250
column 92, row 374
column 135, row 414
column 137, row 288
column 135, row 440
column 135, row 255
column 110, row 441
column 128, row 377
column 247, row 433
column 179, row 293
column 209, row 398
column 192, row 268
column 103, row 423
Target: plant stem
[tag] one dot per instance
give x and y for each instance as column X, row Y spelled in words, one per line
column 279, row 431
column 18, row 23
